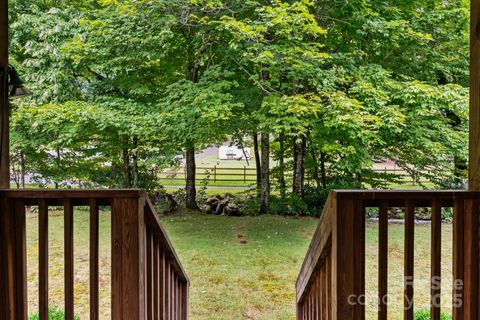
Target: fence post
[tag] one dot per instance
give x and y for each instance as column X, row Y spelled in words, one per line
column 215, row 174
column 244, row 174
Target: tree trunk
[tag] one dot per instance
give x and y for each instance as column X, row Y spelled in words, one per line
column 323, row 170
column 126, row 168
column 304, row 155
column 299, row 148
column 15, row 173
column 460, row 171
column 258, row 164
column 193, row 76
column 265, row 189
column 135, row 162
column 22, row 169
column 59, row 160
column 191, row 197
column 316, row 172
column 126, row 163
column 281, row 166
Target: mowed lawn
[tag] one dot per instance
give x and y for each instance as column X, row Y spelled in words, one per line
column 240, row 268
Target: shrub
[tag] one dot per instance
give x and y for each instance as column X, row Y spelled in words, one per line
column 250, row 205
column 202, row 192
column 181, row 196
column 425, row 315
column 291, row 205
column 315, row 198
column 162, row 207
column 447, row 214
column 420, row 213
column 53, row 314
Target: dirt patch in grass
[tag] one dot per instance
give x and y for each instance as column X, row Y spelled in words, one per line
column 242, row 239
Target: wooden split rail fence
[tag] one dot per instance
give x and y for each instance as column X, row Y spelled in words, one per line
column 248, row 175
column 214, row 174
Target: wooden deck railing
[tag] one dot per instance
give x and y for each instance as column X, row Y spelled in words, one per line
column 148, row 281
column 331, row 284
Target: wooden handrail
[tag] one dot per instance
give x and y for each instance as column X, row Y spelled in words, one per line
column 169, row 300
column 331, row 282
column 319, row 248
column 154, row 222
column 137, row 236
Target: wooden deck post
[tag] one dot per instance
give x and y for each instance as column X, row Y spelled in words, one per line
column 348, row 256
column 472, row 251
column 128, row 253
column 13, row 298
column 471, row 259
column 4, row 105
column 3, row 260
column 474, row 145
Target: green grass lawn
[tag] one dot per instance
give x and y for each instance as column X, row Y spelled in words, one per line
column 212, row 160
column 240, row 268
column 233, row 177
column 396, row 265
column 198, row 183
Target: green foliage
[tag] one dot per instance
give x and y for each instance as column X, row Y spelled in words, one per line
column 391, row 57
column 180, row 196
column 276, row 49
column 291, row 205
column 202, row 193
column 447, row 214
column 121, row 88
column 311, row 204
column 425, row 315
column 53, row 314
column 39, row 31
column 199, row 112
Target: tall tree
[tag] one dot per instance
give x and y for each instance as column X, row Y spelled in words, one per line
column 74, row 65
column 398, row 59
column 279, row 45
column 197, row 114
column 198, row 45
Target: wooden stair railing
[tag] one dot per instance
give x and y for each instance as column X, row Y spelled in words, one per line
column 148, row 281
column 331, row 284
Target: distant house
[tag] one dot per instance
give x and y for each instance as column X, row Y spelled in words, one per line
column 233, row 153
